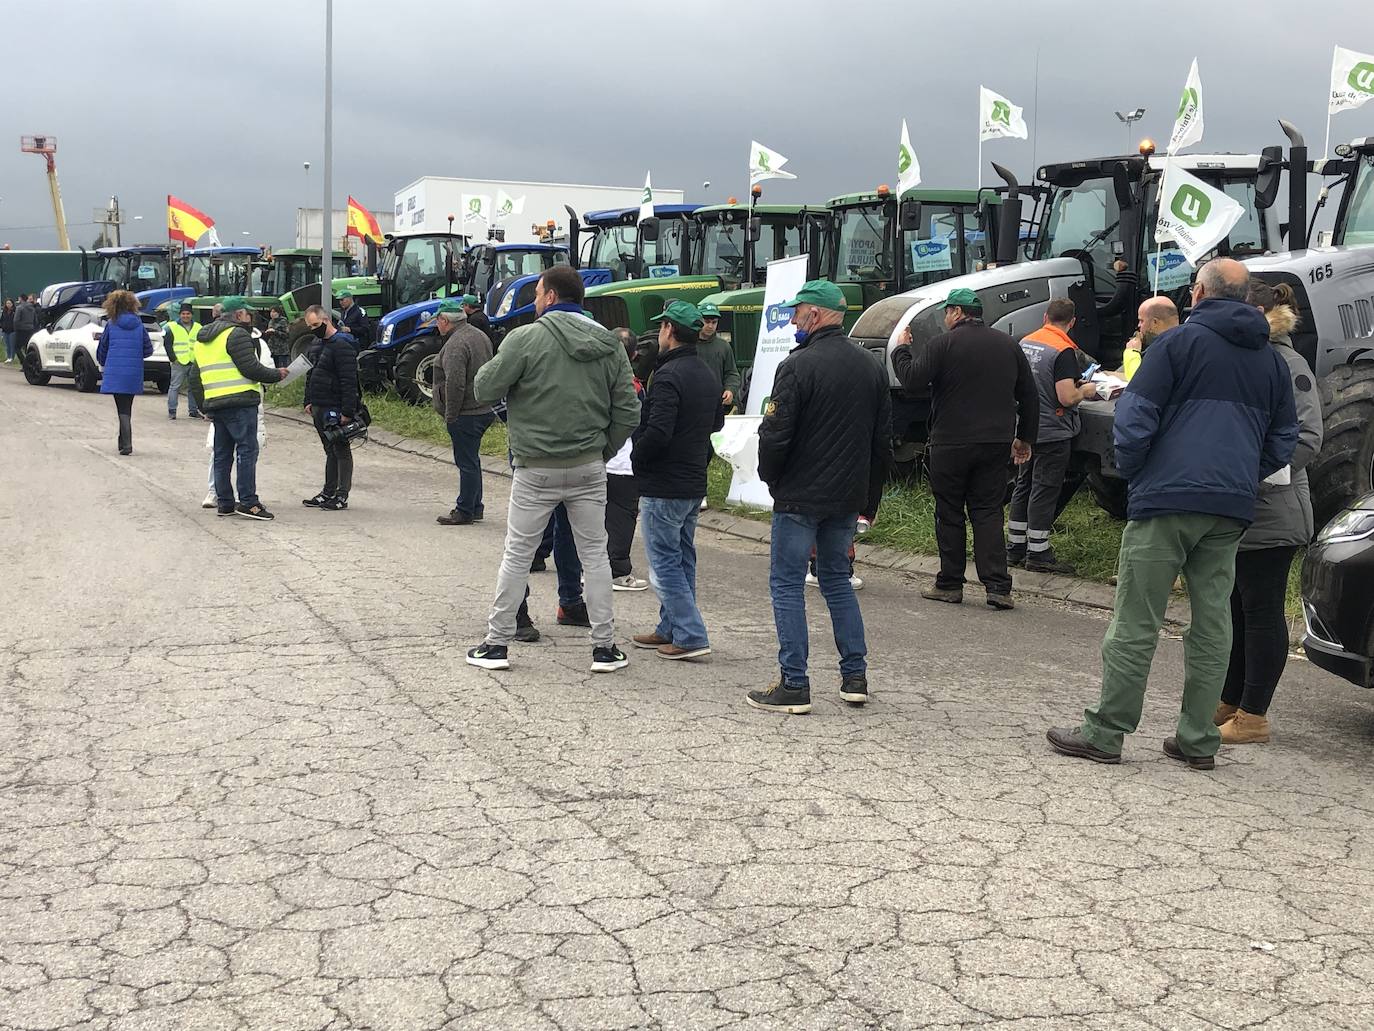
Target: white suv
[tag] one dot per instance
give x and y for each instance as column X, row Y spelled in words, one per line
column 68, row 347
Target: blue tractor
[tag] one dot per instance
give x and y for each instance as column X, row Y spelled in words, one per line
column 148, row 270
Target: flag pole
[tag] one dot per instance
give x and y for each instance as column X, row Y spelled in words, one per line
column 1159, row 199
column 1326, row 149
column 980, row 153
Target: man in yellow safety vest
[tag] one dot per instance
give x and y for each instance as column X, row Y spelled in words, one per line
column 226, row 380
column 177, row 340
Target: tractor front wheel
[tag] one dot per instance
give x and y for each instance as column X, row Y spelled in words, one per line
column 1344, row 469
column 415, row 370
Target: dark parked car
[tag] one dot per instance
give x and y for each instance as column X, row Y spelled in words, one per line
column 1338, row 595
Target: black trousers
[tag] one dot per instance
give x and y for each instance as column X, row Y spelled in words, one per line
column 124, row 405
column 622, row 513
column 338, row 462
column 1259, row 628
column 1035, row 501
column 970, row 478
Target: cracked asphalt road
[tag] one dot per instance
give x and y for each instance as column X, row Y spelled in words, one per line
column 247, row 781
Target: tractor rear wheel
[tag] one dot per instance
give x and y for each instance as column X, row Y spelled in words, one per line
column 1345, row 467
column 415, row 370
column 1109, row 492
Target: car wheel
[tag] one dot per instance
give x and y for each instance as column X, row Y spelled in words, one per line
column 1345, row 467
column 85, row 374
column 32, row 365
column 415, row 370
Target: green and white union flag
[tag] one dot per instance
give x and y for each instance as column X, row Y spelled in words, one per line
column 506, row 205
column 908, row 168
column 999, row 118
column 646, row 202
column 476, row 207
column 765, row 163
column 1352, row 80
column 1188, row 122
column 1194, row 215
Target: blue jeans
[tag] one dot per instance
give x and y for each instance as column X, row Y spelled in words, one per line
column 180, row 380
column 466, row 433
column 9, row 344
column 669, row 527
column 236, row 431
column 793, row 538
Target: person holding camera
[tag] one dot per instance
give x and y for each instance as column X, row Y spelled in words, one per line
column 333, row 401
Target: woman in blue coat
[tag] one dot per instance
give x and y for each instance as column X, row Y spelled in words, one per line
column 124, row 343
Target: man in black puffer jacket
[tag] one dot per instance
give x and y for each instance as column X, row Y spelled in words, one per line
column 671, row 450
column 827, row 431
column 332, row 399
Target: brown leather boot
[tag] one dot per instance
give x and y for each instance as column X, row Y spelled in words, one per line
column 1245, row 729
column 1224, row 712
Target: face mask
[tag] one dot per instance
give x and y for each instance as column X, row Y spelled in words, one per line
column 801, row 334
column 319, row 331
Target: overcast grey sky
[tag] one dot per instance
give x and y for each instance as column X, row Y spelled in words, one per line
column 220, row 104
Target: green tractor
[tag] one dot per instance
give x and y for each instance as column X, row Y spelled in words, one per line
column 874, row 245
column 731, row 245
column 296, row 281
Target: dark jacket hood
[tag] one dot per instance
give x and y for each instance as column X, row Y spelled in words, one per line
column 1236, row 322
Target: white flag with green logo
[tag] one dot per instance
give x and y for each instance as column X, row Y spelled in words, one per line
column 646, row 202
column 506, row 205
column 1188, row 122
column 998, row 117
column 1194, row 215
column 1352, row 80
column 908, row 168
column 765, row 164
column 476, row 208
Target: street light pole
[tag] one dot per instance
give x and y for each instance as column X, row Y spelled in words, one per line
column 1128, row 118
column 327, row 235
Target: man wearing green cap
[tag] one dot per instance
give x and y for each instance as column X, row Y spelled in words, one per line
column 226, row 379
column 353, row 320
column 718, row 354
column 464, row 351
column 477, row 318
column 671, row 451
column 985, row 409
column 826, row 433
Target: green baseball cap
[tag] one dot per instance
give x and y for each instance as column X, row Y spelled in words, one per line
column 680, row 313
column 345, row 293
column 708, row 310
column 471, row 300
column 449, row 306
column 822, row 293
column 233, row 304
column 962, row 298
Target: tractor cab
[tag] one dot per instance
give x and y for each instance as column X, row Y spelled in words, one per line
column 487, row 266
column 297, row 267
column 220, row 271
column 416, row 268
column 615, row 240
column 147, row 270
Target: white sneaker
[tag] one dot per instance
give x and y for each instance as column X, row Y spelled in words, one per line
column 862, row 526
column 811, row 580
column 629, row 582
column 856, row 582
column 703, row 505
column 210, row 500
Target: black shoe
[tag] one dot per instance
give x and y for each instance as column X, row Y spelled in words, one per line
column 172, row 416
column 1001, row 602
column 225, row 511
column 335, row 504
column 794, row 701
column 854, row 690
column 454, row 518
column 538, row 565
column 1048, row 564
column 1070, row 741
column 952, row 596
column 1016, row 557
column 526, row 633
column 574, row 615
column 253, row 511
column 315, row 502
column 1197, row 762
column 126, row 451
column 489, row 656
column 608, row 660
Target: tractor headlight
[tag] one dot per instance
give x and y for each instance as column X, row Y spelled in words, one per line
column 1351, row 525
column 386, row 334
column 507, row 303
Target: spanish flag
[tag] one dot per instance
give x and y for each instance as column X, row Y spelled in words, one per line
column 362, row 223
column 186, row 223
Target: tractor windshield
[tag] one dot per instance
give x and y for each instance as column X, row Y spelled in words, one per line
column 512, row 264
column 1086, row 218
column 1359, row 218
column 865, row 253
column 416, row 265
column 719, row 250
column 614, row 248
column 142, row 271
column 665, row 253
column 218, row 275
column 931, row 254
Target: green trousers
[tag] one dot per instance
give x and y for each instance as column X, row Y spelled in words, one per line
column 1153, row 552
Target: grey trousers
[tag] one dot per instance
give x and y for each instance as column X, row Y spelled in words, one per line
column 534, row 494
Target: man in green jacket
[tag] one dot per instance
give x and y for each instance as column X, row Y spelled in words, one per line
column 719, row 355
column 571, row 404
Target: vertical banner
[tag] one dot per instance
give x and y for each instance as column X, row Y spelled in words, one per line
column 786, row 277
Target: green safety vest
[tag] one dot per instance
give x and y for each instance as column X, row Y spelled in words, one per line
column 183, row 340
column 219, row 376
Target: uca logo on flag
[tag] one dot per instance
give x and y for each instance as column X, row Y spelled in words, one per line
column 1362, row 77
column 1191, row 206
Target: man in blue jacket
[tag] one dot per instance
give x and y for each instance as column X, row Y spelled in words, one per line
column 1208, row 416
